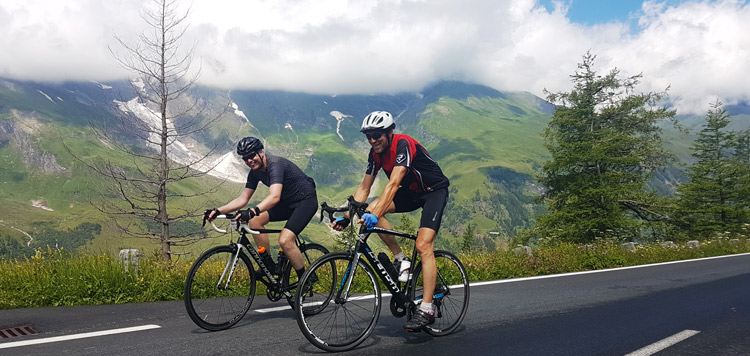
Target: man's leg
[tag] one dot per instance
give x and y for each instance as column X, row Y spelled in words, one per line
column 297, row 220
column 388, row 239
column 425, row 315
column 286, row 241
column 426, row 247
column 259, row 222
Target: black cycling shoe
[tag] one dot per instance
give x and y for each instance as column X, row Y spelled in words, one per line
column 418, row 321
column 307, row 288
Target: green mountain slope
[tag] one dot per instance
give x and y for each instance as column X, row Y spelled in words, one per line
column 487, row 142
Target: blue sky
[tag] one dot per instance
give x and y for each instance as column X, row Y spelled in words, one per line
column 700, row 49
column 592, row 12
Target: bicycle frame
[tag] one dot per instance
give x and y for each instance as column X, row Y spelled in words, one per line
column 361, row 248
column 244, row 243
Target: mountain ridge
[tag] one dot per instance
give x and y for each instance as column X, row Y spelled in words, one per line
column 488, row 142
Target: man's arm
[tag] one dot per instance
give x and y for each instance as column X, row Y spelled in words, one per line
column 360, row 195
column 273, row 198
column 363, row 191
column 379, row 207
column 238, row 202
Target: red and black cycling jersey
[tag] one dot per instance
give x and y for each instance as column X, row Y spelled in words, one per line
column 422, row 173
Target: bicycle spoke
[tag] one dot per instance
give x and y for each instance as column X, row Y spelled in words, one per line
column 218, row 295
column 337, row 325
column 452, row 305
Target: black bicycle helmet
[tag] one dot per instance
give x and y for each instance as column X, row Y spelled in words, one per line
column 249, row 145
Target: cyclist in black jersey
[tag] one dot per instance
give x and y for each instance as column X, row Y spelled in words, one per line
column 292, row 197
column 414, row 181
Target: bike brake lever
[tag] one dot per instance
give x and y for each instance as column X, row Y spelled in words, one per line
column 323, row 208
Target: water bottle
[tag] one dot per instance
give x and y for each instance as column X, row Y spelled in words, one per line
column 280, row 261
column 267, row 259
column 389, row 267
column 403, row 273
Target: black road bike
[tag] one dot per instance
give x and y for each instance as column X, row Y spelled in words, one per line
column 220, row 286
column 341, row 320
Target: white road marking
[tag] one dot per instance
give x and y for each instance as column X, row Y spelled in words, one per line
column 522, row 279
column 8, row 345
column 270, row 310
column 663, row 344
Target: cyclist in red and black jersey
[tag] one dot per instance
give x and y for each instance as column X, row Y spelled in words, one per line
column 414, row 181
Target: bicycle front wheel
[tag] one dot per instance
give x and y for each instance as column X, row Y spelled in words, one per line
column 338, row 322
column 310, row 253
column 451, row 297
column 220, row 288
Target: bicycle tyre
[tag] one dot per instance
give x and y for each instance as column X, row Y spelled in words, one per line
column 450, row 303
column 212, row 306
column 311, row 252
column 336, row 325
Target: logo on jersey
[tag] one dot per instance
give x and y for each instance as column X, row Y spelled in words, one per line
column 400, row 158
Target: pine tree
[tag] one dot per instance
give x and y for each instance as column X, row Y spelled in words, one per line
column 467, row 239
column 708, row 203
column 742, row 161
column 605, row 142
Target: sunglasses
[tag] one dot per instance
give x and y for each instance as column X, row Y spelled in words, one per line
column 374, row 135
column 249, row 156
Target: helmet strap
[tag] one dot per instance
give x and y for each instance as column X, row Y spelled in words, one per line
column 263, row 160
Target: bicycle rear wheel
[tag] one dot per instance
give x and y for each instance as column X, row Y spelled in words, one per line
column 451, row 297
column 330, row 322
column 216, row 295
column 311, row 252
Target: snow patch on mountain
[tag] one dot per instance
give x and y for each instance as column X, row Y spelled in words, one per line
column 46, row 96
column 239, row 112
column 229, row 167
column 184, row 150
column 41, row 204
column 103, row 86
column 339, row 118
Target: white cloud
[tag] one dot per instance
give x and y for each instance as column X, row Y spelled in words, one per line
column 700, row 48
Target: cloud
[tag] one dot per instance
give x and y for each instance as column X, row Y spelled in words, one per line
column 698, row 48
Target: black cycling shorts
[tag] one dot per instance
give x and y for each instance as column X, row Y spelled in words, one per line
column 432, row 204
column 297, row 215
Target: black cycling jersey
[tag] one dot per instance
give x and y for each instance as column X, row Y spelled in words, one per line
column 297, row 186
column 423, row 173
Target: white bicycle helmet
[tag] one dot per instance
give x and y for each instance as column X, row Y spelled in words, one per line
column 378, row 120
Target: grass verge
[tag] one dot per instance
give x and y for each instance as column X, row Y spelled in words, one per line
column 55, row 278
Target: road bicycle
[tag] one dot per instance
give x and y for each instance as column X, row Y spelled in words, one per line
column 341, row 320
column 221, row 284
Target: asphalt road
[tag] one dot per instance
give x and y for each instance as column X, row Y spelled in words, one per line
column 697, row 307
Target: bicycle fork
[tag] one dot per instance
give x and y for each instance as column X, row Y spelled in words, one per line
column 342, row 295
column 230, row 267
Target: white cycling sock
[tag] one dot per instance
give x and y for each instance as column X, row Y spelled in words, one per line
column 426, row 307
column 400, row 256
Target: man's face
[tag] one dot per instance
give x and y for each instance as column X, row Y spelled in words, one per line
column 378, row 139
column 253, row 160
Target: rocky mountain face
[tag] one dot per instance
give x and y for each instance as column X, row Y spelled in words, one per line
column 19, row 134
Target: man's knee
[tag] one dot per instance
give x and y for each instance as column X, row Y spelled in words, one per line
column 286, row 239
column 425, row 249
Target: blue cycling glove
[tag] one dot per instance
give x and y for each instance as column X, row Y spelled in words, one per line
column 343, row 222
column 370, row 220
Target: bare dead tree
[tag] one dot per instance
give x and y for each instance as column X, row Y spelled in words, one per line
column 160, row 116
